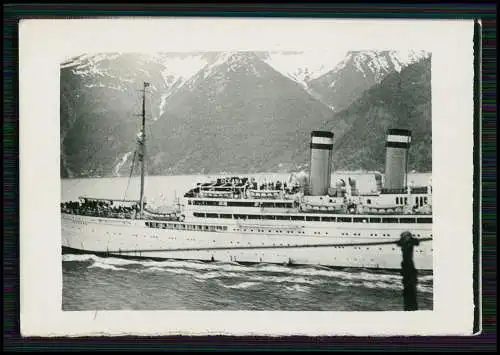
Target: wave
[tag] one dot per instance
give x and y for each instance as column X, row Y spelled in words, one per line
column 216, row 275
column 233, row 275
column 79, row 257
column 241, row 285
column 285, row 279
column 269, row 273
column 426, row 278
column 352, row 274
column 100, row 265
column 380, row 285
column 154, row 269
column 298, row 288
column 157, row 269
column 329, row 273
column 202, row 265
column 95, row 258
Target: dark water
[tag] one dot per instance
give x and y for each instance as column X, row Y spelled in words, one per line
column 95, row 283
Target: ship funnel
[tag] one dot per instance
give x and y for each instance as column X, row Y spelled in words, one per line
column 321, row 162
column 396, row 159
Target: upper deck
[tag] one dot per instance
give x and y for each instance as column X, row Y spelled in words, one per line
column 240, row 195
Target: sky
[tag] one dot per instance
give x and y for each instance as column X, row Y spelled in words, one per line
column 72, row 37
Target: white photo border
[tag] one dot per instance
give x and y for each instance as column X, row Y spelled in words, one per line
column 44, row 44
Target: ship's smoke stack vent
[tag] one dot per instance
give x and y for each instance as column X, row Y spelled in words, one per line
column 320, row 162
column 396, row 158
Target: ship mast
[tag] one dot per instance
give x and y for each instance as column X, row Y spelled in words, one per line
column 142, row 146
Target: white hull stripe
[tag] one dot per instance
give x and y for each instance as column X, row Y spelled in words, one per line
column 321, row 140
column 330, row 245
column 398, row 139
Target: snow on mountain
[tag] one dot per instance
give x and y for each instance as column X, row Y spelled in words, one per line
column 375, row 62
column 304, row 66
column 299, row 66
column 357, row 72
column 179, row 69
column 405, row 58
column 227, row 94
column 379, row 63
column 112, row 70
column 233, row 60
column 223, row 61
column 224, row 108
column 89, row 64
column 220, row 60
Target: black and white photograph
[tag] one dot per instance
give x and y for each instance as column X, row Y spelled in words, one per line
column 260, row 176
column 234, row 180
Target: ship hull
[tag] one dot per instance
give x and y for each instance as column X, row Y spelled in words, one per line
column 365, row 246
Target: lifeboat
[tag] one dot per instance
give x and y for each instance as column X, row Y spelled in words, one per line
column 385, row 208
column 168, row 213
column 266, row 194
column 217, row 194
column 426, row 209
column 322, row 207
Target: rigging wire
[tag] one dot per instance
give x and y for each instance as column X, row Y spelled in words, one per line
column 130, row 176
column 151, row 134
column 133, row 166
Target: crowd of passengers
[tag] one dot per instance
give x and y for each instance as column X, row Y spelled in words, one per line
column 244, row 182
column 100, row 209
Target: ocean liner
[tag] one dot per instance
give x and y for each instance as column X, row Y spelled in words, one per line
column 300, row 221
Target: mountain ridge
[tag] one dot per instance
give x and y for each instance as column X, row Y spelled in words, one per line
column 401, row 100
column 235, row 104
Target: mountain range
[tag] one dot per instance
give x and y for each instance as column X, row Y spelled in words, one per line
column 240, row 112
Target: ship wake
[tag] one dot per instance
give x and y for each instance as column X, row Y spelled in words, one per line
column 242, row 277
